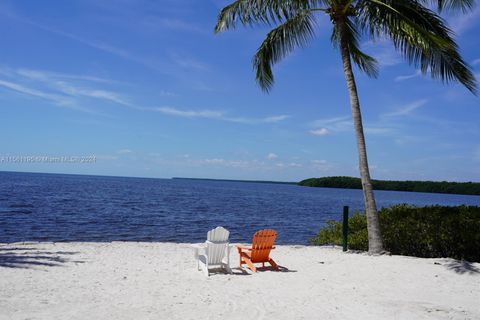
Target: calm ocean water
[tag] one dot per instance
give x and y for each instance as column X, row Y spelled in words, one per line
column 53, row 207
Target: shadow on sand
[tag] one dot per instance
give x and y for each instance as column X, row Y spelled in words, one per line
column 27, row 257
column 244, row 272
column 462, row 267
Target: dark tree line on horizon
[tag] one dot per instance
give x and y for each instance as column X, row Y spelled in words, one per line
column 468, row 188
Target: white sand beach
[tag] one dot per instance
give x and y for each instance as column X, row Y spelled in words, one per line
column 130, row 280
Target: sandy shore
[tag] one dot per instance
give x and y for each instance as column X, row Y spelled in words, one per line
column 159, row 281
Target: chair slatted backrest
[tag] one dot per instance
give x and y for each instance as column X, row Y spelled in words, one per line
column 262, row 244
column 219, row 234
column 217, row 242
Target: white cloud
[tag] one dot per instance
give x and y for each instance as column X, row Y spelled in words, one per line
column 288, row 165
column 58, row 99
column 295, row 165
column 476, row 62
column 216, row 115
column 44, row 75
column 330, row 125
column 273, row 119
column 190, row 113
column 408, row 76
column 320, row 132
column 383, row 51
column 215, row 161
column 460, row 23
column 272, row 156
column 406, row 110
column 124, row 151
column 66, row 92
column 322, row 165
column 189, row 62
column 57, row 82
column 166, row 93
column 92, row 93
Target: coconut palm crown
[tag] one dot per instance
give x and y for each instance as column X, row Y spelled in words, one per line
column 415, row 29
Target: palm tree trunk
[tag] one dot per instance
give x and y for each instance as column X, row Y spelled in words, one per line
column 375, row 243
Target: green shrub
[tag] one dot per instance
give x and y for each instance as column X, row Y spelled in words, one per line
column 433, row 231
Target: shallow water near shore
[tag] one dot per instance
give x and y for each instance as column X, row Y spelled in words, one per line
column 55, row 207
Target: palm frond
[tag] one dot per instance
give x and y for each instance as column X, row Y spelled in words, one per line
column 451, row 5
column 420, row 35
column 266, row 12
column 295, row 32
column 363, row 61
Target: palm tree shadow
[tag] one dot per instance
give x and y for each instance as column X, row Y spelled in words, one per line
column 462, row 267
column 25, row 258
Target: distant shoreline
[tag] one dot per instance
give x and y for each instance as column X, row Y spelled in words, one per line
column 441, row 187
column 337, row 182
column 235, row 180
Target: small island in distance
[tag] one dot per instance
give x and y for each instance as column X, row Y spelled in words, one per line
column 467, row 188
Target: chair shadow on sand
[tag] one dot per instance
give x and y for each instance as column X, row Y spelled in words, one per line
column 243, row 272
column 462, row 267
column 28, row 257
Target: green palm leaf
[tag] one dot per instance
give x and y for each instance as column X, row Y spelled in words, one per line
column 420, row 35
column 296, row 32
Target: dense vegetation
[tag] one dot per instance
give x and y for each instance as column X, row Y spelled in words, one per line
column 472, row 188
column 433, row 231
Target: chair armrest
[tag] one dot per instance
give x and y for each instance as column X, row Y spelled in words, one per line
column 198, row 247
column 244, row 248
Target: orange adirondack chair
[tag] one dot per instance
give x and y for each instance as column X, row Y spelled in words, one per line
column 259, row 252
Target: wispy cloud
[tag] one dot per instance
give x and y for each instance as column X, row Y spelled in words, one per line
column 476, row 62
column 217, row 115
column 323, row 127
column 405, row 110
column 96, row 44
column 288, row 165
column 321, row 165
column 330, row 125
column 187, row 62
column 272, row 156
column 408, row 76
column 320, row 132
column 209, row 114
column 68, row 93
column 461, row 23
column 172, row 24
column 124, row 151
column 273, row 119
column 57, row 99
column 44, row 75
column 58, row 82
column 383, row 51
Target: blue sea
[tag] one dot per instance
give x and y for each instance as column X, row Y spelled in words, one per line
column 56, row 207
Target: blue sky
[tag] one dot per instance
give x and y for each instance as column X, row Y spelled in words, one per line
column 148, row 89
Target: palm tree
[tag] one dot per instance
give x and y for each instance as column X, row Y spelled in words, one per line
column 418, row 32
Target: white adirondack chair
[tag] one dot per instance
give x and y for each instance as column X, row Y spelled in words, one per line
column 215, row 252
